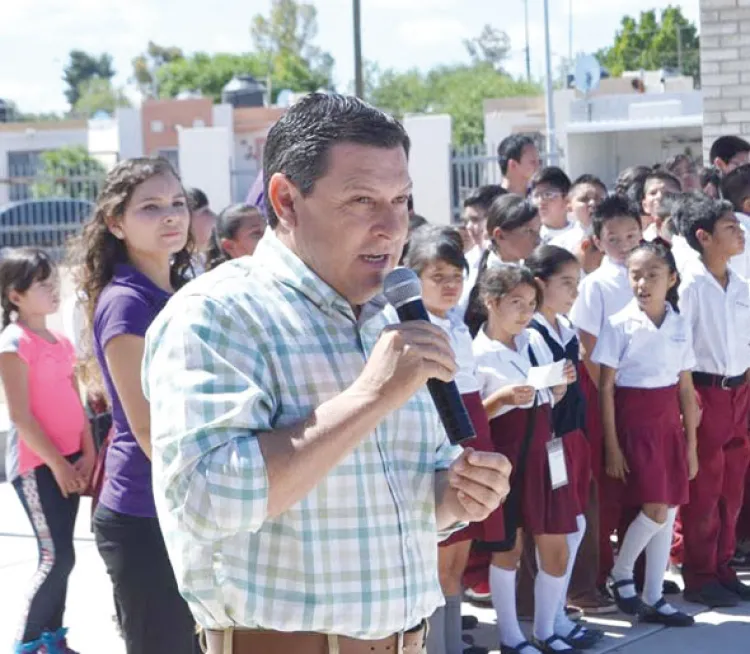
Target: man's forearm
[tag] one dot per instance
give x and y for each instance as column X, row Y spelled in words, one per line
column 297, row 458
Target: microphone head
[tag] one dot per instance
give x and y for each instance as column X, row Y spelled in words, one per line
column 402, row 285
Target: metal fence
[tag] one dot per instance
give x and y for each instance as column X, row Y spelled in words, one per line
column 43, row 202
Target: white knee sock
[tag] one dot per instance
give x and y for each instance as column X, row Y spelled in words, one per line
column 547, row 593
column 657, row 559
column 563, row 624
column 640, row 532
column 503, row 589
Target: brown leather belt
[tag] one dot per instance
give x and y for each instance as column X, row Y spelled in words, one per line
column 259, row 641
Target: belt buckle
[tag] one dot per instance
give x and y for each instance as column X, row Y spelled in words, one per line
column 725, row 384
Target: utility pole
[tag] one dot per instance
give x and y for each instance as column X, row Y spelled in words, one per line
column 359, row 83
column 528, row 50
column 549, row 100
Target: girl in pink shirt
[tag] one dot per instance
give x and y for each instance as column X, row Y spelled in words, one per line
column 50, row 455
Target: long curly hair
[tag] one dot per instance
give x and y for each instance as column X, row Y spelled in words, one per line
column 95, row 253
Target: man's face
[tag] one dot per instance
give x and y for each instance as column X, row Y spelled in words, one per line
column 351, row 229
column 739, row 159
column 475, row 220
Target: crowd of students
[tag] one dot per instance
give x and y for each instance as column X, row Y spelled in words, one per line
column 641, row 433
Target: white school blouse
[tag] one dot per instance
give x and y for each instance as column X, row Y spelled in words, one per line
column 544, row 355
column 644, row 355
column 601, row 294
column 499, row 366
column 458, row 332
column 719, row 320
column 549, row 234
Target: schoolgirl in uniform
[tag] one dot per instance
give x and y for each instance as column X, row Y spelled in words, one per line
column 541, row 505
column 649, row 417
column 436, row 255
column 557, row 272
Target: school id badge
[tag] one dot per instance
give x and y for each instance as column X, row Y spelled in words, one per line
column 558, row 469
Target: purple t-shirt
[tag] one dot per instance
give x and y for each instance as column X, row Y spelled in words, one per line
column 127, row 305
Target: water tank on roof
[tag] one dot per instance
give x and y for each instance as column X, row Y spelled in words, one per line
column 244, row 91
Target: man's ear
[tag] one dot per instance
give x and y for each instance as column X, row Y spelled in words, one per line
column 281, row 196
column 721, row 165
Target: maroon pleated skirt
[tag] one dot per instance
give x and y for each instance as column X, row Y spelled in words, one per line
column 492, row 528
column 543, row 510
column 593, row 422
column 578, row 460
column 653, row 442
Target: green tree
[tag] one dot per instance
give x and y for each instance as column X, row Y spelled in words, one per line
column 17, row 115
column 205, row 74
column 97, row 95
column 650, row 43
column 284, row 42
column 147, row 64
column 459, row 90
column 83, row 67
column 69, row 172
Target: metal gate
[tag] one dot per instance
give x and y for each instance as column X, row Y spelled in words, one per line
column 472, row 166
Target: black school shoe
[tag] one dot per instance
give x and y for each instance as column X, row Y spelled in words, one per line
column 522, row 648
column 669, row 587
column 677, row 619
column 738, row 588
column 546, row 646
column 582, row 638
column 627, row 605
column 713, row 595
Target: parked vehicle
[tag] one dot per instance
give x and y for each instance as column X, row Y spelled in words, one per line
column 47, row 223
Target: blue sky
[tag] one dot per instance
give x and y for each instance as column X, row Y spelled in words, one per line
column 36, row 35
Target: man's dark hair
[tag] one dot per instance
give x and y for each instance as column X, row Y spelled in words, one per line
column 592, row 180
column 696, row 211
column 727, row 148
column 735, row 186
column 611, row 208
column 483, row 197
column 511, row 149
column 298, row 144
column 552, row 176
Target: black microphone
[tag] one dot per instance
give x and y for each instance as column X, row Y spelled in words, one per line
column 404, row 291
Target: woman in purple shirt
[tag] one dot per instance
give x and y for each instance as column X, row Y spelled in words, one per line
column 134, row 253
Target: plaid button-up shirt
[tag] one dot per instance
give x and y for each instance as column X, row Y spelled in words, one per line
column 254, row 346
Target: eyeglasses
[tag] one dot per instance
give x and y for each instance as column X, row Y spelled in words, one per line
column 545, row 196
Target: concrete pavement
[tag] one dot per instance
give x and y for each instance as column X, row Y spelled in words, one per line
column 90, row 608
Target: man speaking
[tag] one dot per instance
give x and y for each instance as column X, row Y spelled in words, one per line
column 301, row 474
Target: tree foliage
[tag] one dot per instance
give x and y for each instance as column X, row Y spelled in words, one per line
column 651, row 43
column 83, row 67
column 284, row 42
column 97, row 95
column 204, row 73
column 69, row 172
column 147, row 64
column 459, row 90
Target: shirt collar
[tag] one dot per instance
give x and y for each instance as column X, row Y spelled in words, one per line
column 699, row 271
column 487, row 344
column 127, row 275
column 566, row 331
column 614, row 267
column 272, row 255
column 636, row 313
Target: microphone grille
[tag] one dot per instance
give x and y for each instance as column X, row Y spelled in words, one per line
column 401, row 285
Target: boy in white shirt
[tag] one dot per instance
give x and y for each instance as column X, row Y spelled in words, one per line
column 617, row 232
column 735, row 187
column 585, row 195
column 549, row 193
column 658, row 186
column 716, row 302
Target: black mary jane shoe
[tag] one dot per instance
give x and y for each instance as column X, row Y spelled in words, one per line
column 628, row 605
column 653, row 615
column 582, row 638
column 522, row 648
column 546, row 646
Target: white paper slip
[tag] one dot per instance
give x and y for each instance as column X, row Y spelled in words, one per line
column 547, row 376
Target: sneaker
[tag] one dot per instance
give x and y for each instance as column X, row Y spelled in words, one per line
column 479, row 593
column 595, row 603
column 712, row 595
